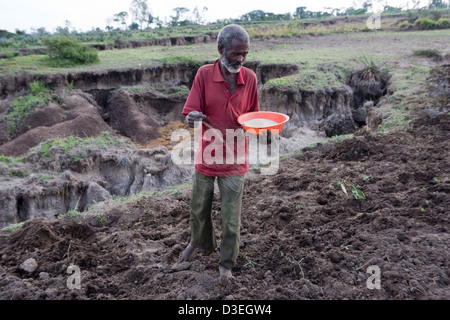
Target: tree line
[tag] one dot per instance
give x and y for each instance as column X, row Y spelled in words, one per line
column 141, row 18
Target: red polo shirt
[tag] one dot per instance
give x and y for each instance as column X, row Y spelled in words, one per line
column 210, row 95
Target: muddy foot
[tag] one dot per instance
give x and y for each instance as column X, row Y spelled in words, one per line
column 225, row 272
column 181, row 266
column 187, row 253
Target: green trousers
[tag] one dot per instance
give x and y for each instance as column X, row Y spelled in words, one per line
column 202, row 228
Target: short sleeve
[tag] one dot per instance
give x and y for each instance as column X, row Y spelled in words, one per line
column 196, row 97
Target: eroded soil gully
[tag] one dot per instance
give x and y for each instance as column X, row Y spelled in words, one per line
column 140, row 114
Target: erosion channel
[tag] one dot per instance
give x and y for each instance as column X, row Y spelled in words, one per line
column 116, row 128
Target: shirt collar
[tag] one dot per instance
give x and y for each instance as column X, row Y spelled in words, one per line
column 217, row 75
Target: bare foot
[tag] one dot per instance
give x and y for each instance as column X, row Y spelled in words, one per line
column 187, row 253
column 225, row 272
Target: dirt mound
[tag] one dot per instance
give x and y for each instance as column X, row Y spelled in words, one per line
column 302, row 237
column 78, row 116
column 137, row 116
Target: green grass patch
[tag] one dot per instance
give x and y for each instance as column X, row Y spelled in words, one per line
column 307, row 52
column 73, row 214
column 172, row 59
column 322, row 76
column 10, row 161
column 169, row 91
column 175, row 190
column 288, row 81
column 394, row 121
column 14, row 227
column 428, row 53
column 78, row 148
column 21, row 107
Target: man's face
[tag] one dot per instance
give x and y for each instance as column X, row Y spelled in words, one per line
column 233, row 58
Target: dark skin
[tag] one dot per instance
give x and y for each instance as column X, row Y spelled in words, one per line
column 236, row 56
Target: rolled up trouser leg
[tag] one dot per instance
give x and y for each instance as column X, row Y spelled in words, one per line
column 231, row 191
column 202, row 228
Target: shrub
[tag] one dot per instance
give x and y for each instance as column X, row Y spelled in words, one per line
column 38, row 88
column 404, row 25
column 443, row 23
column 425, row 24
column 65, row 51
column 371, row 82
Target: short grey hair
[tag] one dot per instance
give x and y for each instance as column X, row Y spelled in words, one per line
column 230, row 32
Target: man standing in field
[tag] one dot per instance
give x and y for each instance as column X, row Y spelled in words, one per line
column 220, row 93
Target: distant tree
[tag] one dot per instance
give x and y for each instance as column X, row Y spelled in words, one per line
column 300, row 13
column 179, row 14
column 349, row 11
column 255, row 15
column 340, row 11
column 120, row 18
column 158, row 22
column 62, row 30
column 6, row 34
column 281, row 16
column 416, row 4
column 367, row 5
column 133, row 26
column 391, row 9
column 139, row 12
column 20, row 32
column 260, row 15
column 150, row 20
column 42, row 32
column 332, row 11
column 437, row 4
column 199, row 18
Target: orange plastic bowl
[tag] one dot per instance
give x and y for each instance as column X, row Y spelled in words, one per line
column 279, row 118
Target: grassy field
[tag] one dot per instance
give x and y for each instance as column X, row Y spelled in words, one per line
column 308, row 51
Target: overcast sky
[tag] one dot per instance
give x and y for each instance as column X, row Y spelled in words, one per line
column 84, row 15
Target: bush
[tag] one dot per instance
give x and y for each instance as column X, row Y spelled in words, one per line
column 425, row 24
column 443, row 23
column 404, row 25
column 65, row 51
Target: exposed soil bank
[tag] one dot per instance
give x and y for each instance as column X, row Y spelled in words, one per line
column 107, row 104
column 328, row 109
column 108, row 79
column 175, row 74
column 58, row 183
